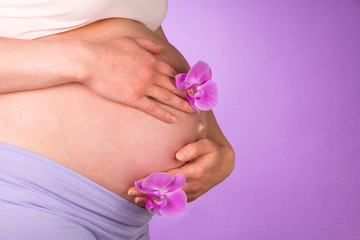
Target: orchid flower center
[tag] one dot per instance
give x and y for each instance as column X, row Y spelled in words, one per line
column 158, row 199
column 193, row 90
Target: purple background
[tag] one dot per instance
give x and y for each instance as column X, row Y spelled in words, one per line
column 289, row 80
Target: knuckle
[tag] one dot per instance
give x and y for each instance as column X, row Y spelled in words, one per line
column 168, row 68
column 168, row 83
column 190, row 149
column 195, row 148
column 167, row 96
column 199, row 173
column 196, row 173
column 147, row 72
column 151, row 59
column 128, row 96
column 131, row 96
column 185, row 104
column 151, row 107
column 208, row 144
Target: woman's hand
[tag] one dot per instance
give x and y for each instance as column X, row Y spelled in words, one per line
column 126, row 70
column 207, row 164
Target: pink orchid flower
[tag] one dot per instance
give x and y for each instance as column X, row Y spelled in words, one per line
column 166, row 197
column 201, row 90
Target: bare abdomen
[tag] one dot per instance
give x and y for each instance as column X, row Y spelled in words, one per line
column 110, row 143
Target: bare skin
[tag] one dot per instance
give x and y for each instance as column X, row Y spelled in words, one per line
column 89, row 122
column 109, row 143
column 122, row 69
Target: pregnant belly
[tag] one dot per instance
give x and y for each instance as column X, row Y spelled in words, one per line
column 109, row 143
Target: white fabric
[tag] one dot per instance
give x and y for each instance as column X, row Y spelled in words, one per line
column 29, row 19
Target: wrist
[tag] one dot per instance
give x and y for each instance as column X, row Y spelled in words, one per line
column 77, row 55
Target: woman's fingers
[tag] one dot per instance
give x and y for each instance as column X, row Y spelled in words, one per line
column 166, row 69
column 148, row 45
column 133, row 191
column 168, row 80
column 167, row 97
column 194, row 150
column 150, row 107
column 139, row 197
column 131, row 74
column 193, row 174
column 169, row 84
column 141, row 201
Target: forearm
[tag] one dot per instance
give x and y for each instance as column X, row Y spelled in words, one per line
column 35, row 64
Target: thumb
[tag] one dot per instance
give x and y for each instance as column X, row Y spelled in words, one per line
column 149, row 45
column 194, row 150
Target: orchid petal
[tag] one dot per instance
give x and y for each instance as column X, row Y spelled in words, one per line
column 180, row 81
column 199, row 95
column 199, row 73
column 158, row 181
column 150, row 206
column 178, row 183
column 139, row 186
column 176, row 204
column 161, row 200
column 209, row 99
column 191, row 102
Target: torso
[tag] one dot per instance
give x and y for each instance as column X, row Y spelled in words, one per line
column 109, row 143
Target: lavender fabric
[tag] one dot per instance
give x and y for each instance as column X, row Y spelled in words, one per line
column 42, row 199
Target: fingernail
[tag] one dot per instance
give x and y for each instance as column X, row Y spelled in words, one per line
column 180, row 155
column 173, row 119
column 130, row 192
column 139, row 200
